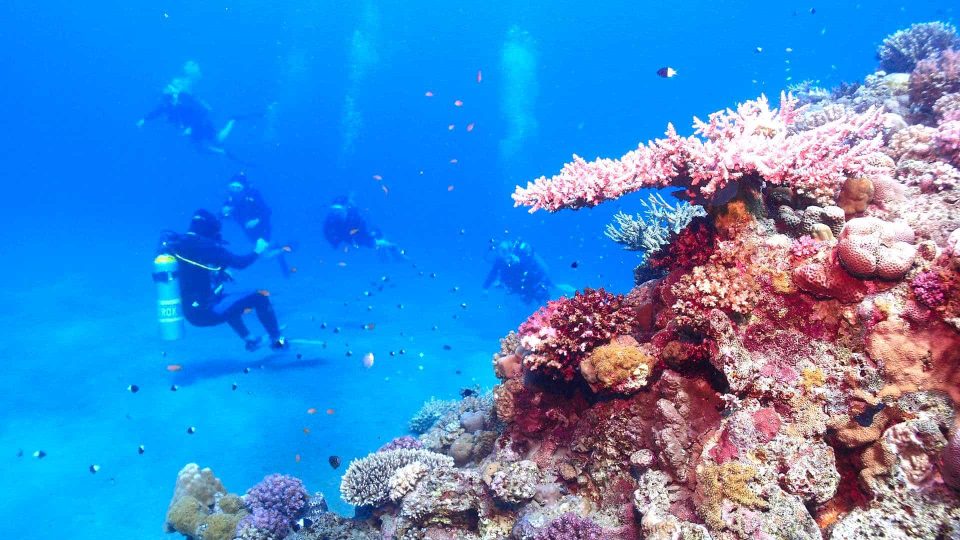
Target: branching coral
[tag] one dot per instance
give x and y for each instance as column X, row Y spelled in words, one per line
column 367, row 480
column 935, row 77
column 652, row 229
column 901, row 50
column 753, row 142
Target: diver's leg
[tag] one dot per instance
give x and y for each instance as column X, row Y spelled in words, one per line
column 231, row 309
column 268, row 318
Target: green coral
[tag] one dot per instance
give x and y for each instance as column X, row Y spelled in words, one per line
column 221, row 526
column 231, row 504
column 185, row 515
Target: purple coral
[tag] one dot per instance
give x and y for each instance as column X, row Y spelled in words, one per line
column 404, row 442
column 570, row 526
column 930, row 288
column 804, row 247
column 265, row 524
column 282, row 494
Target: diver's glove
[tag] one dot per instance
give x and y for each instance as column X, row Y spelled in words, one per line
column 260, row 246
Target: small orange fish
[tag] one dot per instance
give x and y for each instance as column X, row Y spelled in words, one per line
column 450, row 187
column 377, row 177
column 264, row 292
column 354, row 231
column 479, row 76
column 173, row 368
column 428, row 93
column 297, row 458
column 470, row 126
column 454, row 161
column 293, row 269
column 385, row 190
column 458, row 103
column 368, row 360
column 370, row 326
column 341, row 264
column 247, row 310
column 450, row 127
column 287, row 249
column 330, row 411
column 306, row 430
column 312, row 410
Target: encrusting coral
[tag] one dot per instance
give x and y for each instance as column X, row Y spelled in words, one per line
column 786, row 367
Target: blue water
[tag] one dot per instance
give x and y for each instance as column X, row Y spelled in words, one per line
column 338, row 92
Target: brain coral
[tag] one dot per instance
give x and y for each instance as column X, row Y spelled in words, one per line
column 872, row 248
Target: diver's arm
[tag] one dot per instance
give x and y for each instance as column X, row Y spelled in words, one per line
column 232, row 260
column 157, row 112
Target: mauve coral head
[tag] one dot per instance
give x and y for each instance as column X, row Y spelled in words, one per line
column 263, row 524
column 570, row 526
column 405, row 441
column 279, row 493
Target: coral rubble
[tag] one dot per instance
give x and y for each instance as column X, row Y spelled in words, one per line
column 788, row 367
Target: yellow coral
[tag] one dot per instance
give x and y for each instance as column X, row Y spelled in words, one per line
column 729, row 481
column 185, row 515
column 782, row 282
column 613, row 364
column 811, row 378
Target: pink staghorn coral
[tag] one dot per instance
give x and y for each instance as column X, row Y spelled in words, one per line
column 753, row 142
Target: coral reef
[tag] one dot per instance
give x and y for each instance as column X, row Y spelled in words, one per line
column 367, row 480
column 901, row 51
column 786, row 367
column 655, row 227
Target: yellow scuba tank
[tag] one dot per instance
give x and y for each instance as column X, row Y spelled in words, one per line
column 169, row 308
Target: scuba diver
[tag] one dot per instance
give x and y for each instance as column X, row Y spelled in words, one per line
column 520, row 271
column 245, row 205
column 345, row 227
column 203, row 263
column 181, row 108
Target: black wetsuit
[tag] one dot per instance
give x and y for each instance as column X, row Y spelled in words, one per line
column 187, row 112
column 345, row 226
column 203, row 263
column 246, row 206
column 524, row 277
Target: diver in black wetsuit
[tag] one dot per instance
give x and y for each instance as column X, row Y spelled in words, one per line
column 203, row 271
column 345, row 227
column 246, row 206
column 181, row 108
column 520, row 271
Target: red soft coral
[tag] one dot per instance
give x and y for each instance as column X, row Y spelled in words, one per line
column 691, row 247
column 561, row 334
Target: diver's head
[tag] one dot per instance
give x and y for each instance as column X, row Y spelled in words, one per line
column 238, row 183
column 205, row 224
